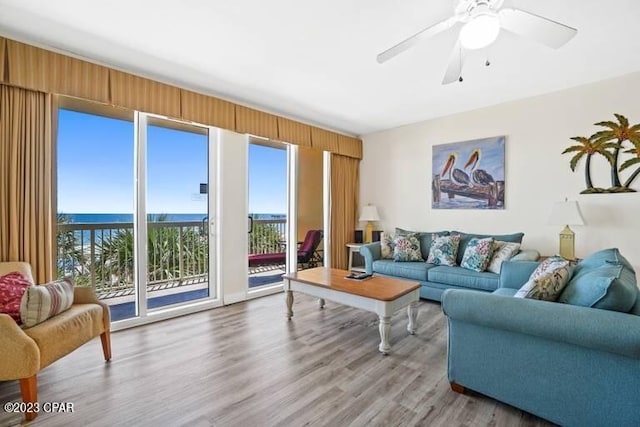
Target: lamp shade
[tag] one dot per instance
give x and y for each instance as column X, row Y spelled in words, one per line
column 566, row 213
column 369, row 213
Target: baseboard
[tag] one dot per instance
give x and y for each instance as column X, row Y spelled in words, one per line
column 234, row 298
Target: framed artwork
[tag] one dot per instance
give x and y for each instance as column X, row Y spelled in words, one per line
column 468, row 174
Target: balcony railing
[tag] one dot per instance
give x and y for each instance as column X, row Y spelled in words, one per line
column 101, row 255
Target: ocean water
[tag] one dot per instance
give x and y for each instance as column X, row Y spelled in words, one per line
column 85, row 218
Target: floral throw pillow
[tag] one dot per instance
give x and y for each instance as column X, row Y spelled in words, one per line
column 548, row 280
column 477, row 254
column 386, row 245
column 12, row 288
column 444, row 249
column 502, row 251
column 407, row 248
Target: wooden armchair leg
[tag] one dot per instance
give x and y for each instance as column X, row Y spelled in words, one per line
column 29, row 389
column 105, row 337
column 457, row 388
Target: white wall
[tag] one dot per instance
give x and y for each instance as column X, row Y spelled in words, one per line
column 396, row 170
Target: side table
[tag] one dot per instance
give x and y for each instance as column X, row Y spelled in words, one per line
column 354, row 248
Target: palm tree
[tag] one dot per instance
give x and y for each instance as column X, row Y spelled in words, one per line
column 635, row 140
column 589, row 147
column 617, row 133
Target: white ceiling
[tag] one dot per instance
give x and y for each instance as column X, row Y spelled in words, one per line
column 316, row 61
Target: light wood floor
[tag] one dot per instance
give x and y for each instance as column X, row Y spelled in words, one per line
column 245, row 365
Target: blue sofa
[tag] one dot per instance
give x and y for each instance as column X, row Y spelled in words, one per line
column 434, row 279
column 570, row 364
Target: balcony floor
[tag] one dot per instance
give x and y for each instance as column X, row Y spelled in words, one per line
column 123, row 307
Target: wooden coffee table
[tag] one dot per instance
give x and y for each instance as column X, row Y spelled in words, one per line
column 380, row 295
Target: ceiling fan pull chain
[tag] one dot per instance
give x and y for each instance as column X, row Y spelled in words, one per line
column 460, row 79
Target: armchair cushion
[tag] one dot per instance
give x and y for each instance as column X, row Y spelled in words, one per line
column 41, row 302
column 62, row 334
column 12, row 288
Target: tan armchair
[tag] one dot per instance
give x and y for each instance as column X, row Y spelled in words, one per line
column 24, row 352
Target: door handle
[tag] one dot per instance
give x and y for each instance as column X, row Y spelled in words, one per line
column 250, row 224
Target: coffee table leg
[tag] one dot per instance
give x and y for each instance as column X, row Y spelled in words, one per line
column 289, row 297
column 385, row 332
column 412, row 311
column 321, row 302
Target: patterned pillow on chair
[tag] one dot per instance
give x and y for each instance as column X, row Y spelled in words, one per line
column 12, row 288
column 41, row 302
column 477, row 254
column 444, row 250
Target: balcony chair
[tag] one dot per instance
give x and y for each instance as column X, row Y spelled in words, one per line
column 308, row 253
column 25, row 352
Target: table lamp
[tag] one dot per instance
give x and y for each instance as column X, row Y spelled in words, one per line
column 369, row 214
column 566, row 213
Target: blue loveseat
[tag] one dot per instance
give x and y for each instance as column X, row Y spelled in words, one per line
column 574, row 365
column 434, row 279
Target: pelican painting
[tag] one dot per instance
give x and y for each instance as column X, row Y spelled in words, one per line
column 456, row 175
column 469, row 174
column 479, row 176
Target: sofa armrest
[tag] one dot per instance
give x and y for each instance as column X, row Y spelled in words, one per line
column 514, row 274
column 19, row 354
column 370, row 252
column 592, row 328
column 526, row 255
column 86, row 295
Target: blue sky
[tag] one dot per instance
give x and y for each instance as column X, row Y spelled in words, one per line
column 95, row 169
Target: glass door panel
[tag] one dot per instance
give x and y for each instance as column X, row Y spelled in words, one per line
column 267, row 213
column 177, row 213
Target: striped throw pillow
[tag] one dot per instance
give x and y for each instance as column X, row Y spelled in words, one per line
column 41, row 302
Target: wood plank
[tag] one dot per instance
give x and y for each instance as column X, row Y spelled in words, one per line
column 244, row 364
column 380, row 288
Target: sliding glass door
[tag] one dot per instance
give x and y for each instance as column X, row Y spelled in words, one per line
column 136, row 208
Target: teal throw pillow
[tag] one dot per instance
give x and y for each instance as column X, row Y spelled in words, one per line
column 444, row 249
column 406, row 248
column 608, row 287
column 477, row 254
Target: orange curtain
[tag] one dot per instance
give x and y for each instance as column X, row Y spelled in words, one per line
column 324, row 140
column 345, row 185
column 3, row 47
column 26, row 181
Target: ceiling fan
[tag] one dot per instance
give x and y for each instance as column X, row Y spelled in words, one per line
column 482, row 22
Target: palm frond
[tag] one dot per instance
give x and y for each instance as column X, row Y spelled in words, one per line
column 581, row 139
column 603, row 135
column 609, row 156
column 624, row 122
column 608, row 124
column 574, row 160
column 629, row 163
column 573, row 148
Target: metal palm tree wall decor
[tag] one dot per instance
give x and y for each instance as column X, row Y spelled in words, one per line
column 609, row 143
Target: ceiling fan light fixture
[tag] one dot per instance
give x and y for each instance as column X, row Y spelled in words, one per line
column 480, row 32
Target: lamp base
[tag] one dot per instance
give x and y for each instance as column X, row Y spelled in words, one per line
column 567, row 244
column 368, row 232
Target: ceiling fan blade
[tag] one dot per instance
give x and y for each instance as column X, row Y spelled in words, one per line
column 416, row 38
column 542, row 30
column 454, row 69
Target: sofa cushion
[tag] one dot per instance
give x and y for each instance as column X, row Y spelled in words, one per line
column 548, row 280
column 61, row 334
column 406, row 270
column 443, row 250
column 609, row 287
column 477, row 255
column 12, row 288
column 462, row 277
column 425, row 241
column 465, row 238
column 502, row 251
column 41, row 302
column 407, row 248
